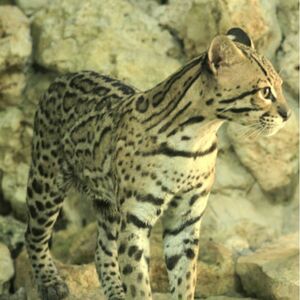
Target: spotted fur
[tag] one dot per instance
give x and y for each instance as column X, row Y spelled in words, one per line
column 140, row 156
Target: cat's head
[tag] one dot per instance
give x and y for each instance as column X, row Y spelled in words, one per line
column 249, row 88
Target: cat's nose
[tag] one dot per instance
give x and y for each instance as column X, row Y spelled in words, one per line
column 284, row 112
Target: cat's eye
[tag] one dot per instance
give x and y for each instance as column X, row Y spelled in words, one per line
column 266, row 93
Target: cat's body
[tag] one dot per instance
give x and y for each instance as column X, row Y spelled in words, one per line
column 138, row 156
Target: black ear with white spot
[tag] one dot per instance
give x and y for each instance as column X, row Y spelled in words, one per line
column 238, row 35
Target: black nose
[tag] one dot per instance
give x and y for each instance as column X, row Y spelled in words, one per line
column 284, row 112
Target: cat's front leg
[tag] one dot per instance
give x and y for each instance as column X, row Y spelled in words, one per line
column 181, row 231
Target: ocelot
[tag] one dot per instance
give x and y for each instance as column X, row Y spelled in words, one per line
column 138, row 156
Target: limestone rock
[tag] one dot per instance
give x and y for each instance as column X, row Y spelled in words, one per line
column 12, row 234
column 288, row 63
column 288, row 54
column 215, row 269
column 237, row 222
column 15, row 39
column 272, row 271
column 29, row 7
column 288, row 16
column 12, row 85
column 230, row 173
column 111, row 37
column 198, row 21
column 267, row 158
column 15, row 141
column 291, row 214
column 6, row 267
column 228, row 298
column 82, row 280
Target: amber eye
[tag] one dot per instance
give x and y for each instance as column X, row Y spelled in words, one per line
column 267, row 94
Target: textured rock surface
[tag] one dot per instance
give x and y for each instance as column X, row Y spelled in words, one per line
column 272, row 272
column 29, row 7
column 288, row 56
column 239, row 223
column 6, row 267
column 186, row 17
column 15, row 52
column 11, row 87
column 268, row 156
column 82, row 280
column 12, row 234
column 15, row 45
column 14, row 155
column 111, row 37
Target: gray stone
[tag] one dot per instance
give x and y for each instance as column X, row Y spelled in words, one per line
column 269, row 156
column 82, row 280
column 239, row 223
column 291, row 214
column 272, row 272
column 288, row 63
column 29, row 7
column 12, row 233
column 230, row 173
column 188, row 18
column 15, row 146
column 229, row 298
column 6, row 267
column 288, row 16
column 15, row 39
column 112, row 37
column 11, row 88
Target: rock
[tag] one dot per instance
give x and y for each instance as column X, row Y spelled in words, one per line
column 15, row 38
column 288, row 54
column 20, row 294
column 113, row 37
column 6, row 267
column 288, row 64
column 215, row 270
column 197, row 21
column 272, row 271
column 15, row 146
column 230, row 173
column 269, row 156
column 228, row 298
column 11, row 88
column 82, row 280
column 14, row 189
column 30, row 7
column 291, row 214
column 161, row 296
column 288, row 16
column 12, row 234
column 238, row 222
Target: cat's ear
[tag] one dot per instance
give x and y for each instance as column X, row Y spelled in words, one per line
column 239, row 35
column 223, row 53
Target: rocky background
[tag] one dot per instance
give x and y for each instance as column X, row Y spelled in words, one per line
column 249, row 242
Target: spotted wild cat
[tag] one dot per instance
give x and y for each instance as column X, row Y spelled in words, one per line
column 140, row 156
